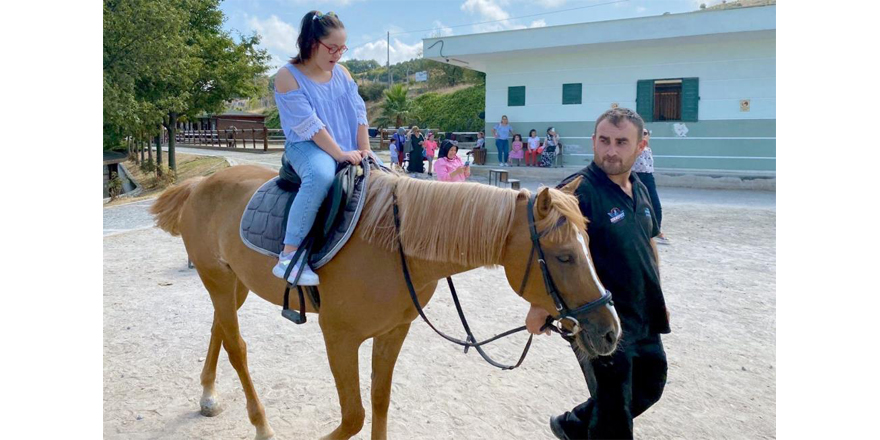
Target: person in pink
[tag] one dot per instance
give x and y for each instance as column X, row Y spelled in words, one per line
column 516, row 149
column 449, row 167
column 430, row 146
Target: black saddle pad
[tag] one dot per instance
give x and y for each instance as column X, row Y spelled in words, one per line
column 264, row 222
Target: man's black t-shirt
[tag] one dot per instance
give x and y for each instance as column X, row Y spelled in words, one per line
column 620, row 231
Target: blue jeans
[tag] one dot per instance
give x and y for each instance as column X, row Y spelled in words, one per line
column 648, row 180
column 503, row 146
column 317, row 169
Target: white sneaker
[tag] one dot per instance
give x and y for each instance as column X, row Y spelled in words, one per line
column 308, row 278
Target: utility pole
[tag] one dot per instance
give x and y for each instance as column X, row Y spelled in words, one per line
column 388, row 56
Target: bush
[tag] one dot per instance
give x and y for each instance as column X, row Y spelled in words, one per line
column 371, row 91
column 114, row 186
column 148, row 166
column 273, row 120
column 458, row 111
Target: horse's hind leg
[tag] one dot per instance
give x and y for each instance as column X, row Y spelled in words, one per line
column 210, row 403
column 226, row 303
column 385, row 351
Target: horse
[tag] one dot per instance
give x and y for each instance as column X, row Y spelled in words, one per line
column 445, row 229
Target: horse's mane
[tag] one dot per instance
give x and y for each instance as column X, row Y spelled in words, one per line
column 466, row 223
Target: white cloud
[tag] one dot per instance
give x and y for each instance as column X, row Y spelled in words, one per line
column 378, row 50
column 440, row 29
column 551, row 3
column 538, row 23
column 494, row 10
column 277, row 35
column 487, row 9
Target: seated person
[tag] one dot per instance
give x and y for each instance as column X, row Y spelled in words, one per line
column 449, row 167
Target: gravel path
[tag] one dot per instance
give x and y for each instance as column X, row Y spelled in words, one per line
column 719, row 278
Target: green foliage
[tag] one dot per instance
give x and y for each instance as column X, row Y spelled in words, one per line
column 165, row 59
column 372, row 91
column 360, row 66
column 114, row 186
column 397, row 108
column 273, row 119
column 458, row 111
column 148, row 166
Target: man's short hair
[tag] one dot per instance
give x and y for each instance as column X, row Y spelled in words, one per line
column 617, row 115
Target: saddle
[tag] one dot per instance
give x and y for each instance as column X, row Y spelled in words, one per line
column 264, row 221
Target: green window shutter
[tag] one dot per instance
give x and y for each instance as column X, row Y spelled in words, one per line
column 571, row 93
column 645, row 99
column 690, row 99
column 516, row 96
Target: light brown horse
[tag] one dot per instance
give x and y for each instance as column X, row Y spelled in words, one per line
column 455, row 226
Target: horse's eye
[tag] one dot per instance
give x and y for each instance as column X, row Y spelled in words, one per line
column 564, row 258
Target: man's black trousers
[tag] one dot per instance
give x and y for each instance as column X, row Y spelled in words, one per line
column 622, row 386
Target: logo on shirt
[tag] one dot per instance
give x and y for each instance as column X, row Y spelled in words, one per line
column 616, row 215
column 647, row 212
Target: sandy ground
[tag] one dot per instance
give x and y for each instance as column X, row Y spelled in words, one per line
column 719, row 279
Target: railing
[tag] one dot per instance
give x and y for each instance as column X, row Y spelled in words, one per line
column 248, row 138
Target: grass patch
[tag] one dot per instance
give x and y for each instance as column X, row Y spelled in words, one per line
column 188, row 165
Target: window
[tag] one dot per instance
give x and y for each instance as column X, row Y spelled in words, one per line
column 668, row 99
column 516, row 96
column 571, row 93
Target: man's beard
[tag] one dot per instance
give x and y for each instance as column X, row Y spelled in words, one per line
column 616, row 167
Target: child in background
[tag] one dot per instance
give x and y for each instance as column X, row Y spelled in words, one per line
column 392, row 150
column 430, row 147
column 532, row 151
column 516, row 149
column 481, row 140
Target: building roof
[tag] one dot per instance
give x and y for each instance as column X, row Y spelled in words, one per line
column 229, row 113
column 475, row 51
column 111, row 157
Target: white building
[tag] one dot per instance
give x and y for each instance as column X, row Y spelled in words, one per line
column 705, row 82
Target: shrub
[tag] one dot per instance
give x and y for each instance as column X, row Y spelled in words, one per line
column 458, row 111
column 371, row 91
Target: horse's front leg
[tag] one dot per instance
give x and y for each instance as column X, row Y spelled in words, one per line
column 385, row 351
column 342, row 352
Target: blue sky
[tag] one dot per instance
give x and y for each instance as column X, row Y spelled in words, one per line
column 367, row 22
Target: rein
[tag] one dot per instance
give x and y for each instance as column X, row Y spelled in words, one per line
column 471, row 341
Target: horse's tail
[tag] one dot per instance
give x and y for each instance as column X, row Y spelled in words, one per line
column 169, row 205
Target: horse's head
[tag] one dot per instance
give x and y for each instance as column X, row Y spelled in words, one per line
column 561, row 229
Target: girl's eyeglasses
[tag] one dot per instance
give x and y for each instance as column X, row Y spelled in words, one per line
column 335, row 49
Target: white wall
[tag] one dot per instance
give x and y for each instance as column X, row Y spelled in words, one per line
column 729, row 70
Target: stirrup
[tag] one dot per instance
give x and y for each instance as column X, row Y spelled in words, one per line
column 300, row 316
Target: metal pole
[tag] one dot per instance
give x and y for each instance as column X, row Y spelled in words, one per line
column 388, row 57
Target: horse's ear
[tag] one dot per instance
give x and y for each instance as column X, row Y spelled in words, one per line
column 543, row 203
column 570, row 187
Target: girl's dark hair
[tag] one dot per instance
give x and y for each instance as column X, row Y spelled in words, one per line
column 533, row 131
column 548, row 129
column 444, row 149
column 311, row 30
column 517, row 136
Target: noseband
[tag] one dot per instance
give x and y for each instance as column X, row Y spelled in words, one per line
column 576, row 316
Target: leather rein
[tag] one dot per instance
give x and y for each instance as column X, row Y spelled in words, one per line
column 576, row 316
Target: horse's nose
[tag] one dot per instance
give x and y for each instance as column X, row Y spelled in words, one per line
column 610, row 337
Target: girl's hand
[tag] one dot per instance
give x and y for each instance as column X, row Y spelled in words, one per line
column 352, row 157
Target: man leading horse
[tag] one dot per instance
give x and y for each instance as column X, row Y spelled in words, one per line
column 622, row 226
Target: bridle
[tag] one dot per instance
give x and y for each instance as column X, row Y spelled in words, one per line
column 577, row 316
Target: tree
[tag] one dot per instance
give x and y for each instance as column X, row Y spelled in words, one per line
column 166, row 59
column 360, row 66
column 397, row 107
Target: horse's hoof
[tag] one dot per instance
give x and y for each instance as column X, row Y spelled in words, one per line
column 210, row 407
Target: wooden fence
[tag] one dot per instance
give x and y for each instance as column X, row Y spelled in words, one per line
column 249, row 138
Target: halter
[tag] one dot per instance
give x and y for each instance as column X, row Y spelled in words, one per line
column 576, row 316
